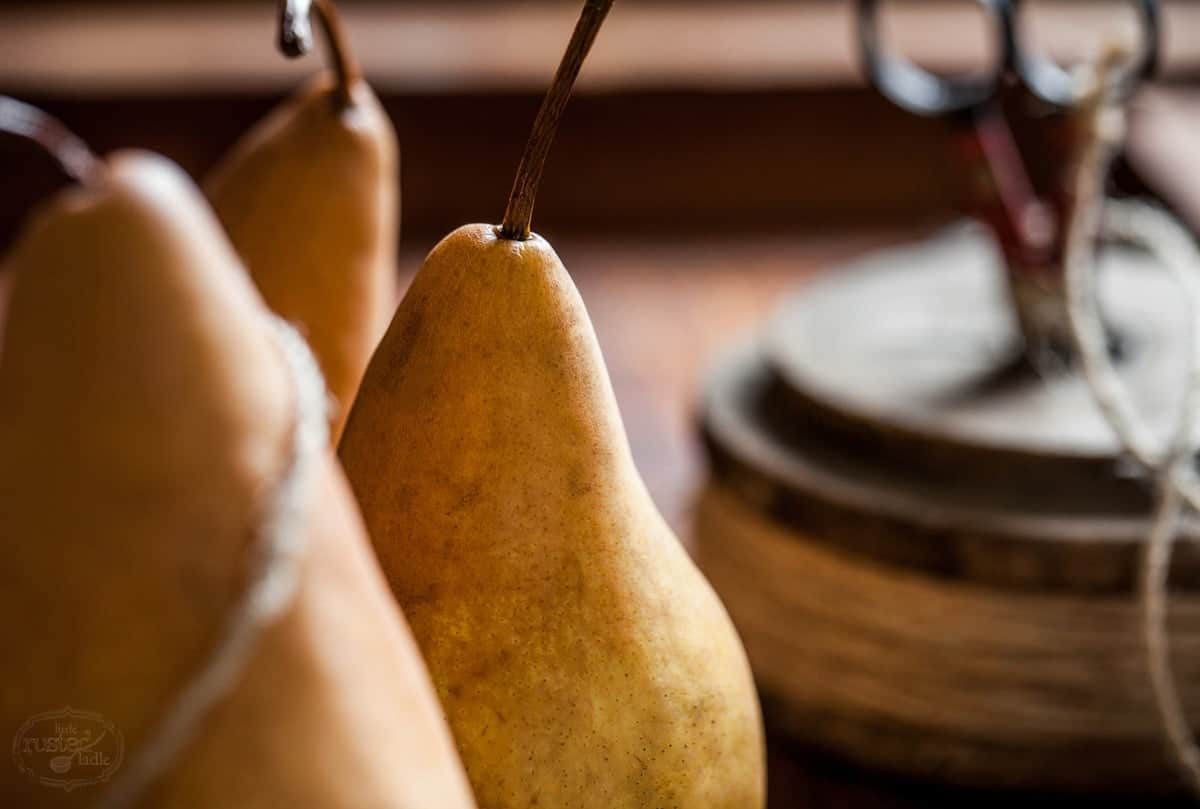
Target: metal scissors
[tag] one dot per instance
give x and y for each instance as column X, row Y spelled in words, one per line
column 1027, row 228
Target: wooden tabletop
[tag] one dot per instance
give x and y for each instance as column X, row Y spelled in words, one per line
column 663, row 308
column 662, row 311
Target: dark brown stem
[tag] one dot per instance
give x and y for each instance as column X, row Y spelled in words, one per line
column 73, row 155
column 519, row 214
column 296, row 39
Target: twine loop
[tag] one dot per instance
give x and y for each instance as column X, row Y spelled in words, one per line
column 278, row 551
column 1169, row 469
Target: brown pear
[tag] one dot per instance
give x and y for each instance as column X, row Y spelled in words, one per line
column 581, row 657
column 145, row 416
column 310, row 199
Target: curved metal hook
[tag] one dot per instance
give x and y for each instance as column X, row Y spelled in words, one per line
column 30, row 123
column 1056, row 86
column 296, row 39
column 918, row 90
column 295, row 27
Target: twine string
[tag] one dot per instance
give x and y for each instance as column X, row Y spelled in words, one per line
column 1170, row 469
column 277, row 554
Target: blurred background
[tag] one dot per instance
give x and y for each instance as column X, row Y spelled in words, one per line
column 716, row 153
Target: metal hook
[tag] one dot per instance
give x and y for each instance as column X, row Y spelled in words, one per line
column 296, row 39
column 26, row 121
column 295, row 27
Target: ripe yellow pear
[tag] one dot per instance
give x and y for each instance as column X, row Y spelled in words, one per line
column 145, row 415
column 580, row 656
column 310, row 199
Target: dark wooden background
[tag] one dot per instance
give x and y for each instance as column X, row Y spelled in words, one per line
column 684, row 199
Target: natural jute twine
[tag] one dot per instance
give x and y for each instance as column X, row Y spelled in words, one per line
column 1171, row 469
column 278, row 550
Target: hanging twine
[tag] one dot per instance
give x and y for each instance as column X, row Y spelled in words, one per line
column 278, row 551
column 1170, row 469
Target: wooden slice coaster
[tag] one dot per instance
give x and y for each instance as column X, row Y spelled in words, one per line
column 940, row 680
column 930, row 551
column 911, row 357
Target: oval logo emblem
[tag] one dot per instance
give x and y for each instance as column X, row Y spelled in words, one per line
column 67, row 749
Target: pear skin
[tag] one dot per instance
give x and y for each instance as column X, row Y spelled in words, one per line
column 145, row 414
column 310, row 200
column 581, row 658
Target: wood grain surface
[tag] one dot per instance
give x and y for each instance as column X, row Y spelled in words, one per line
column 673, row 263
column 662, row 308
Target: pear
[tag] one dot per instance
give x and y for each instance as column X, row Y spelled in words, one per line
column 310, row 199
column 581, row 658
column 145, row 417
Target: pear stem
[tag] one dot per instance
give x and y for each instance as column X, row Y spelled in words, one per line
column 296, row 39
column 30, row 123
column 519, row 214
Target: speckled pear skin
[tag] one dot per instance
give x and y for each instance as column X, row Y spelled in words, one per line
column 581, row 658
column 310, row 199
column 145, row 414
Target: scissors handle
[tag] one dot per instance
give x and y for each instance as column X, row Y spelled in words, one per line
column 920, row 91
column 1057, row 87
column 924, row 93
